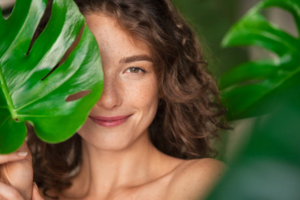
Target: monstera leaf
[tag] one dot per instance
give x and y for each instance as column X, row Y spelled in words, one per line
column 246, row 89
column 268, row 166
column 33, row 88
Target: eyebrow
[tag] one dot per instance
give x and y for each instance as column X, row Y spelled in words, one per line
column 135, row 58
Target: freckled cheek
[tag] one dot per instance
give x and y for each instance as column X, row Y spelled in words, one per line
column 141, row 95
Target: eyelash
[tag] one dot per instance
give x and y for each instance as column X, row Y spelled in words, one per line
column 143, row 71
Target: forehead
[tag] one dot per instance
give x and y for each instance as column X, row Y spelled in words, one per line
column 112, row 39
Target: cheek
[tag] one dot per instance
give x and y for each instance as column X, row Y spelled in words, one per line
column 142, row 94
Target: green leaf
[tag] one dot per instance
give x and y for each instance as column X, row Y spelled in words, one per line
column 248, row 72
column 246, row 85
column 33, row 88
column 268, row 167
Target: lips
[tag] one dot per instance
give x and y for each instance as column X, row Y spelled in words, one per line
column 109, row 121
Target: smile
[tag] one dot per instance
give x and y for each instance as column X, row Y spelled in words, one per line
column 109, row 121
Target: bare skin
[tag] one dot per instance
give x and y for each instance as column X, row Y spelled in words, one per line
column 120, row 163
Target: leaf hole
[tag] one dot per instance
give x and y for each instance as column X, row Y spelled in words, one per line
column 72, row 47
column 7, row 8
column 283, row 19
column 257, row 53
column 42, row 24
column 68, row 52
column 77, row 95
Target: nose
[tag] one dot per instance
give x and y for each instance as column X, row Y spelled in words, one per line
column 111, row 96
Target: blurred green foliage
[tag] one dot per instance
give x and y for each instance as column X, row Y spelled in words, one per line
column 248, row 88
column 267, row 167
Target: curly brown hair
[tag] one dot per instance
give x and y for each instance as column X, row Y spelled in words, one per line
column 190, row 113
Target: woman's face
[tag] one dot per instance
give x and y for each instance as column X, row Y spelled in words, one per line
column 130, row 88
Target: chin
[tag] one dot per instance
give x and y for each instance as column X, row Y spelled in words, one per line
column 108, row 141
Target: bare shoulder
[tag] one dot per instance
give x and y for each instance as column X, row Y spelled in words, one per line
column 193, row 179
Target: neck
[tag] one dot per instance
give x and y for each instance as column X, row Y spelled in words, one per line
column 103, row 171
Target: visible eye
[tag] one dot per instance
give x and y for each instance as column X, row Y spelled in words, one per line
column 135, row 70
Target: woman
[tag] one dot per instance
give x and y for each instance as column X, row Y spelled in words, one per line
column 149, row 135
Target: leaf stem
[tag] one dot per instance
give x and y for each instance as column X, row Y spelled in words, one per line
column 7, row 96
